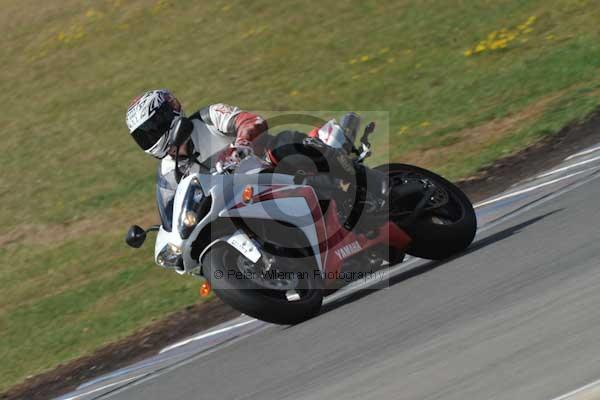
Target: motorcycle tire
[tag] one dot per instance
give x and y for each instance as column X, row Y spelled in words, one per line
column 436, row 236
column 246, row 296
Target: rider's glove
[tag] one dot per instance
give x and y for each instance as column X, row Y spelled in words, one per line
column 233, row 155
column 240, row 150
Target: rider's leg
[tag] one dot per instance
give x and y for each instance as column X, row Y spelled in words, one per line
column 288, row 153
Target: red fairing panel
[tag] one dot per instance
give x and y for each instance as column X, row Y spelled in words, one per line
column 309, row 195
column 339, row 238
column 334, row 239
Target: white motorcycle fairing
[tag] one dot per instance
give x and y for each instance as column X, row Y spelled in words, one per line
column 225, row 192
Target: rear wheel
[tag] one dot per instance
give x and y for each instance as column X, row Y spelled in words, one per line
column 283, row 296
column 447, row 224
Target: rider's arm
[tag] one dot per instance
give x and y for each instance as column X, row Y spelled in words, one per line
column 234, row 122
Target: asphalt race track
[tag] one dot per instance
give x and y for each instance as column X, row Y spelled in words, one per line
column 515, row 317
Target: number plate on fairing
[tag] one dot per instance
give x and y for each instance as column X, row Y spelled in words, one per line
column 242, row 243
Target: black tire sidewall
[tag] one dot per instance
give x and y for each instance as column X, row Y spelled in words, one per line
column 435, row 241
column 248, row 298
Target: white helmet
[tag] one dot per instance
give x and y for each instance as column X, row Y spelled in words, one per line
column 151, row 119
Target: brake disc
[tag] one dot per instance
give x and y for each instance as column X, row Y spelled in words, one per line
column 268, row 278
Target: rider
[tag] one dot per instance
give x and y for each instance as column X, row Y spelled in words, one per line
column 222, row 132
column 152, row 120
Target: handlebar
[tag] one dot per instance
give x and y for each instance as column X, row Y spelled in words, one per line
column 225, row 167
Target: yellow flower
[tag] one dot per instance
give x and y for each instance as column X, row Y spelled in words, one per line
column 425, row 124
column 384, row 50
column 549, row 37
column 226, row 8
column 403, row 130
column 502, row 43
column 500, row 39
column 61, row 36
column 294, row 93
column 353, row 61
column 364, row 58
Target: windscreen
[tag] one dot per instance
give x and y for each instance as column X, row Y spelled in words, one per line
column 165, row 194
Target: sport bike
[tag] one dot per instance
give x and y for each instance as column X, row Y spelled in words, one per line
column 272, row 248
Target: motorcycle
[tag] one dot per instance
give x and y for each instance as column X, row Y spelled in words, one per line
column 272, row 248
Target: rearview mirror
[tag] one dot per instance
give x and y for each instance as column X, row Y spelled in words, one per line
column 182, row 131
column 135, row 236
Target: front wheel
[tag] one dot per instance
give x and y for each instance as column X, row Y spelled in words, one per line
column 446, row 227
column 284, row 297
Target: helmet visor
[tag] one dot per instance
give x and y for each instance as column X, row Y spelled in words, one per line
column 150, row 132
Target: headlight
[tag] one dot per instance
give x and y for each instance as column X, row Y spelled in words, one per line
column 170, row 256
column 192, row 205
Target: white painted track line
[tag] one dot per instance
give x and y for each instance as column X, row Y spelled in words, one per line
column 588, row 392
column 104, row 387
column 568, row 167
column 583, row 153
column 529, row 189
column 207, row 334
